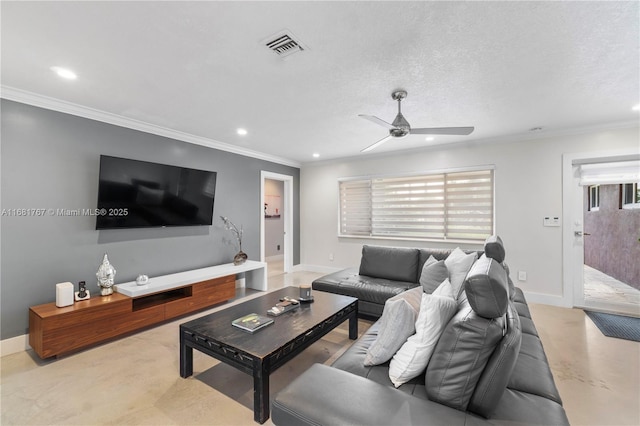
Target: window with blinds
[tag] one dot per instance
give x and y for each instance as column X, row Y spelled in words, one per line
column 457, row 205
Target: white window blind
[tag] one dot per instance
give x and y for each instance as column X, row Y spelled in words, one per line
column 355, row 208
column 457, row 205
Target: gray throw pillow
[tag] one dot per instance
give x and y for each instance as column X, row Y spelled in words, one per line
column 397, row 323
column 433, row 273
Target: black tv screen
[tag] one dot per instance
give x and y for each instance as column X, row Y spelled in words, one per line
column 140, row 194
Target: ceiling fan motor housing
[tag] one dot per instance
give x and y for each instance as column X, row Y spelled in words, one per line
column 402, row 127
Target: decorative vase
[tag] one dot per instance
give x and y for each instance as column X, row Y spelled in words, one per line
column 240, row 258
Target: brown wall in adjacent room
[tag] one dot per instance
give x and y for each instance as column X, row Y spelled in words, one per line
column 613, row 246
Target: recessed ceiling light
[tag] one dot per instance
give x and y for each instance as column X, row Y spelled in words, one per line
column 429, row 138
column 64, row 73
column 636, row 108
column 241, row 132
column 316, row 155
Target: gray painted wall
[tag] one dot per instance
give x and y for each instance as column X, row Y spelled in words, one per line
column 51, row 160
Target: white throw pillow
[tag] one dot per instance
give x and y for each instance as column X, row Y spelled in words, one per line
column 397, row 323
column 459, row 264
column 412, row 358
column 444, row 289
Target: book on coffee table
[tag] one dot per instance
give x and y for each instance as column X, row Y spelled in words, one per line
column 252, row 322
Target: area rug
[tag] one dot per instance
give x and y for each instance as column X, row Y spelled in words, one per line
column 618, row 326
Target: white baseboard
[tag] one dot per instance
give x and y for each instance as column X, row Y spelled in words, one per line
column 546, row 299
column 14, row 345
column 316, row 268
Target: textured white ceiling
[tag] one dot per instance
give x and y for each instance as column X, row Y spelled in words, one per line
column 199, row 67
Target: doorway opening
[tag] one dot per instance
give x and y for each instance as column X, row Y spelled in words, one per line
column 276, row 223
column 601, row 243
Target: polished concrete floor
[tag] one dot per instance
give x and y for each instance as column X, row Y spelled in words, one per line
column 135, row 380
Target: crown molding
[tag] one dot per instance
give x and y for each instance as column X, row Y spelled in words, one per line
column 41, row 101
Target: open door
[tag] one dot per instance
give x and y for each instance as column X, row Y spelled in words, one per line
column 280, row 205
column 600, row 239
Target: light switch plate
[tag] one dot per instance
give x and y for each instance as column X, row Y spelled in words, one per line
column 551, row 221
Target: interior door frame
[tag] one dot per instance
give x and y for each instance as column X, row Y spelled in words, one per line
column 288, row 217
column 573, row 217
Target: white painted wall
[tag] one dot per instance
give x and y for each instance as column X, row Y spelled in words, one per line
column 528, row 183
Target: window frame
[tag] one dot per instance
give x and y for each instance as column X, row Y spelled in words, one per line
column 594, row 198
column 371, row 234
column 634, row 196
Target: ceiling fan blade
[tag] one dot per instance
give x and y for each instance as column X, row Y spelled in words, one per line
column 377, row 144
column 442, row 131
column 378, row 121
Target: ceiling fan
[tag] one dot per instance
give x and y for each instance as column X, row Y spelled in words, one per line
column 401, row 128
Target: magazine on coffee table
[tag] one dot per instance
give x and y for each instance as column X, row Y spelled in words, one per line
column 252, row 322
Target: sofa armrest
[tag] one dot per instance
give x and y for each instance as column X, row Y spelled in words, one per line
column 323, row 395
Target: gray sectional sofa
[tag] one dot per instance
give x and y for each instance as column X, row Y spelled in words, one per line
column 384, row 272
column 488, row 365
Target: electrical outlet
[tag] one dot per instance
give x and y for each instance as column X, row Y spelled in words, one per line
column 522, row 276
column 331, row 257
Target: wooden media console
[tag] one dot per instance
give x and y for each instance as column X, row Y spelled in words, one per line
column 55, row 331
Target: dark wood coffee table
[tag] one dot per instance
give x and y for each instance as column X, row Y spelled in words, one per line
column 261, row 353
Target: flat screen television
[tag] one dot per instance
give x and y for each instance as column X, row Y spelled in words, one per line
column 140, row 194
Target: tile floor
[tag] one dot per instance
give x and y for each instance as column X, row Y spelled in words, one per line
column 599, row 286
column 135, row 381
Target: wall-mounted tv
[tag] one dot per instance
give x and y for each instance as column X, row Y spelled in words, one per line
column 140, row 194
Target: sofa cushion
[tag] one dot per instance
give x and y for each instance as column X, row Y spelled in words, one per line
column 376, row 290
column 494, row 378
column 486, row 288
column 458, row 264
column 433, row 273
column 524, row 408
column 352, row 361
column 397, row 323
column 461, row 355
column 532, row 373
column 412, row 358
column 327, row 396
column 392, row 263
column 494, row 248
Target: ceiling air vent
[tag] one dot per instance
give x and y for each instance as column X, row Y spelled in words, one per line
column 284, row 44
